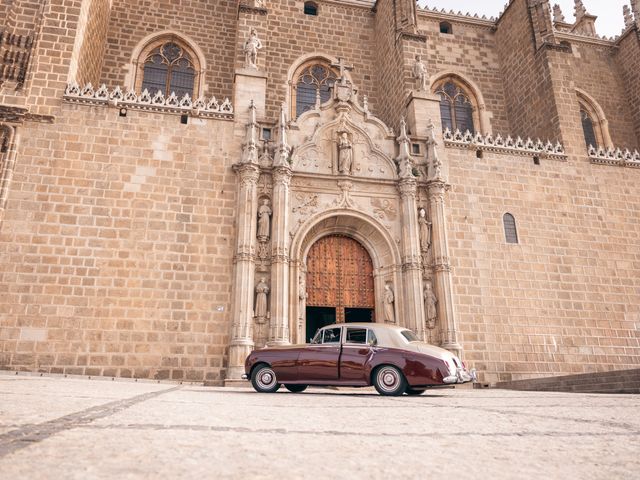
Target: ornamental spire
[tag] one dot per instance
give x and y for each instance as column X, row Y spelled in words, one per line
column 558, row 16
column 628, row 17
column 250, row 152
column 282, row 150
column 404, row 159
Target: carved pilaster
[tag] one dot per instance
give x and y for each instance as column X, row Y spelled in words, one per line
column 411, row 269
column 441, row 266
column 279, row 329
column 244, row 271
column 9, row 140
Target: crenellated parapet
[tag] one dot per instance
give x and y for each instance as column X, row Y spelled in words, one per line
column 505, row 146
column 614, row 156
column 202, row 107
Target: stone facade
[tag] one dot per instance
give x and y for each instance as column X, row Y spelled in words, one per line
column 154, row 235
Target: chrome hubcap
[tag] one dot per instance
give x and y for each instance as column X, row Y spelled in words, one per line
column 388, row 379
column 266, row 378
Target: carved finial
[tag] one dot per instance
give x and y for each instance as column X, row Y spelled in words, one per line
column 635, row 8
column 628, row 17
column 283, row 150
column 404, row 158
column 580, row 10
column 250, row 152
column 558, row 16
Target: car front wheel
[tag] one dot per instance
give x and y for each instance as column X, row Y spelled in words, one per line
column 264, row 379
column 389, row 381
column 415, row 391
column 296, row 388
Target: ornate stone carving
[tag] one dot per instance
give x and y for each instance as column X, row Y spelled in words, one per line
column 420, row 74
column 389, row 304
column 345, row 200
column 260, row 312
column 251, row 47
column 283, row 151
column 345, row 153
column 302, row 299
column 424, row 227
column 384, row 209
column 307, row 204
column 430, row 302
column 264, row 221
column 343, row 91
column 250, row 151
column 433, row 159
column 405, row 162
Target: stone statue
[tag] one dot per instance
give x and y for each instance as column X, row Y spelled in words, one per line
column 251, row 47
column 264, row 220
column 425, row 230
column 389, row 300
column 302, row 295
column 345, row 154
column 262, row 290
column 430, row 302
column 432, row 152
column 420, row 74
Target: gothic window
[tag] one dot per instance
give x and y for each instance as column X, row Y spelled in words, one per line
column 168, row 66
column 310, row 8
column 588, row 129
column 510, row 231
column 456, row 108
column 313, row 80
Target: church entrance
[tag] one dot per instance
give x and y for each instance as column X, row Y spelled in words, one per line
column 339, row 283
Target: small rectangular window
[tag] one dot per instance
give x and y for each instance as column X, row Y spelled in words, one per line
column 356, row 335
column 331, row 335
column 415, row 148
column 266, row 134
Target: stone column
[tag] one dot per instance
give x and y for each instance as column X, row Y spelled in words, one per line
column 442, row 266
column 411, row 269
column 279, row 331
column 10, row 138
column 243, row 282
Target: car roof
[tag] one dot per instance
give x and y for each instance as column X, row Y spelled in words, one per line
column 367, row 325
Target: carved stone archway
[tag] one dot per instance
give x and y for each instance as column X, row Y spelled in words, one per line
column 367, row 231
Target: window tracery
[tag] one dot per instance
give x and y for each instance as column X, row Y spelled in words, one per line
column 510, row 230
column 169, row 66
column 456, row 107
column 311, row 84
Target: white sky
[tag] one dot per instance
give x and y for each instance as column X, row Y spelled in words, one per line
column 610, row 19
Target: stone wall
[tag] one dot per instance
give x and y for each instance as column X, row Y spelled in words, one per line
column 92, row 36
column 116, row 246
column 472, row 52
column 527, row 84
column 212, row 25
column 628, row 57
column 565, row 299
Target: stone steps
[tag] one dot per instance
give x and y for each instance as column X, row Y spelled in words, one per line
column 620, row 381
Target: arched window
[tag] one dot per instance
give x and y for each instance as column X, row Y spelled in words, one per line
column 510, row 230
column 456, row 108
column 313, row 79
column 168, row 65
column 445, row 27
column 310, row 8
column 588, row 129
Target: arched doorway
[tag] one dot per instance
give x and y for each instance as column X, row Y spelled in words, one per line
column 340, row 285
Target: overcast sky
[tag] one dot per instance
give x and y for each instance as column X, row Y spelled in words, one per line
column 610, row 20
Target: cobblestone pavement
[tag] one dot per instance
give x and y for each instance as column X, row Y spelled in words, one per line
column 63, row 428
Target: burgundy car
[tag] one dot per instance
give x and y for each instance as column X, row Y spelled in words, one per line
column 390, row 358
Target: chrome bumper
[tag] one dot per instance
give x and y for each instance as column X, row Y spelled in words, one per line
column 461, row 376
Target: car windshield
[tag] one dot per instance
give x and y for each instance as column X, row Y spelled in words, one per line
column 317, row 338
column 410, row 336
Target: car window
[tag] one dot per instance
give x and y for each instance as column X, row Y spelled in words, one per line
column 410, row 336
column 356, row 335
column 331, row 335
column 372, row 338
column 317, row 338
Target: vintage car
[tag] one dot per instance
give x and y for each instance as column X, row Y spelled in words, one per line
column 390, row 358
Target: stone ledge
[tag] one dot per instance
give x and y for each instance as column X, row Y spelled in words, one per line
column 617, row 381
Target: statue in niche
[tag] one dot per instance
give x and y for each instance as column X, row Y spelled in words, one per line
column 302, row 296
column 264, row 221
column 345, row 154
column 389, row 301
column 424, row 226
column 260, row 311
column 420, row 74
column 251, row 47
column 430, row 302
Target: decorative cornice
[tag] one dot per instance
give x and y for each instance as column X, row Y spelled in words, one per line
column 615, row 157
column 243, row 8
column 145, row 101
column 460, row 17
column 507, row 146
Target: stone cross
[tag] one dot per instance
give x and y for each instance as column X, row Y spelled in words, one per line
column 343, row 67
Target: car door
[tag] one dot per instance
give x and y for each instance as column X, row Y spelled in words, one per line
column 356, row 355
column 319, row 362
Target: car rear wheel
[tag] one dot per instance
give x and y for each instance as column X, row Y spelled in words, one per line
column 415, row 391
column 389, row 381
column 264, row 379
column 296, row 388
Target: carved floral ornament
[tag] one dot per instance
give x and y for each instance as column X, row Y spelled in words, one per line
column 202, row 107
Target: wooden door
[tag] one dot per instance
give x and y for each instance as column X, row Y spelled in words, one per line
column 340, row 275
